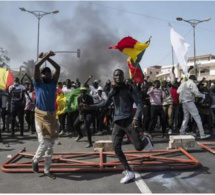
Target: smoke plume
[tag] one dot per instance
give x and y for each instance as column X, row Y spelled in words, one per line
column 87, row 30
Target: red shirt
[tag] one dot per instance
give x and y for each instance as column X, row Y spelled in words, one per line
column 175, row 96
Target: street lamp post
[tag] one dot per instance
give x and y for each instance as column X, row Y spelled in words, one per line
column 193, row 23
column 39, row 15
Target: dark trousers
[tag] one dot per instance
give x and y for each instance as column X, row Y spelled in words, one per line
column 155, row 112
column 61, row 118
column 69, row 124
column 68, row 118
column 109, row 117
column 88, row 119
column 96, row 119
column 29, row 117
column 74, row 116
column 146, row 118
column 17, row 110
column 119, row 129
column 101, row 119
column 180, row 115
column 207, row 119
column 3, row 115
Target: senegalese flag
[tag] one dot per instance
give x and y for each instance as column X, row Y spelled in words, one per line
column 6, row 78
column 135, row 51
column 72, row 100
column 60, row 104
column 68, row 102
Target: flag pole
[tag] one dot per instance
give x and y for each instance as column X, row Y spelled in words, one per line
column 172, row 49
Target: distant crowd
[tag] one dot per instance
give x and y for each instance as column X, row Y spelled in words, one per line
column 163, row 107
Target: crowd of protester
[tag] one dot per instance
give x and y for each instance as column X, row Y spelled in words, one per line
column 137, row 111
column 166, row 111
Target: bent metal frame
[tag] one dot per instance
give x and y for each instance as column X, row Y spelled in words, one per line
column 208, row 146
column 104, row 161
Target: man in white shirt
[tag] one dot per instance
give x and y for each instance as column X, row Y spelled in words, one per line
column 17, row 105
column 101, row 97
column 187, row 92
column 94, row 94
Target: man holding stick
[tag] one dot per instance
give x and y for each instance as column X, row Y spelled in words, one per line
column 45, row 116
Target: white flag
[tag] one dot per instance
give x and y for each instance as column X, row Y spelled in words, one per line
column 180, row 48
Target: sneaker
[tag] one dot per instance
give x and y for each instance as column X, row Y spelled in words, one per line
column 129, row 175
column 193, row 134
column 78, row 138
column 61, row 133
column 149, row 146
column 50, row 175
column 98, row 133
column 69, row 134
column 205, row 136
column 88, row 145
column 170, row 132
column 182, row 133
column 35, row 167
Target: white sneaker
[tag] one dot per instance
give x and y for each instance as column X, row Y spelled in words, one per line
column 205, row 136
column 61, row 133
column 128, row 177
column 193, row 134
column 149, row 146
column 170, row 131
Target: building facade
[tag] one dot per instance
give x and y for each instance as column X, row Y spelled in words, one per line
column 151, row 72
column 205, row 67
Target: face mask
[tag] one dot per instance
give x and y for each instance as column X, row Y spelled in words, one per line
column 16, row 84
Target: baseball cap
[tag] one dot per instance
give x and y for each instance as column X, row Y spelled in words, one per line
column 100, row 88
column 96, row 81
column 46, row 69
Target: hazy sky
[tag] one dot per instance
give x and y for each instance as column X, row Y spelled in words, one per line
column 94, row 26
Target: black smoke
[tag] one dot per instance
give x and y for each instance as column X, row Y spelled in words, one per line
column 88, row 30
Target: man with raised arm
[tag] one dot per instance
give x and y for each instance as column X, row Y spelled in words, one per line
column 45, row 116
column 123, row 98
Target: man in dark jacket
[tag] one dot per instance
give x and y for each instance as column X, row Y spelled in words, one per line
column 85, row 116
column 123, row 98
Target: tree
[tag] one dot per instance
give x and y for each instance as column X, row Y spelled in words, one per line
column 28, row 68
column 4, row 59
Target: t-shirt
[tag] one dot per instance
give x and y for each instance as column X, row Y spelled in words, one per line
column 45, row 95
column 67, row 90
column 29, row 101
column 175, row 96
column 17, row 93
column 87, row 100
column 155, row 95
column 94, row 93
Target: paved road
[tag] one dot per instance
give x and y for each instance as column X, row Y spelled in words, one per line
column 200, row 180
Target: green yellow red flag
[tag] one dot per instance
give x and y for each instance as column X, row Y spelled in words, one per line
column 68, row 102
column 135, row 51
